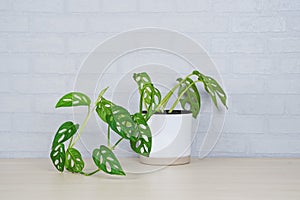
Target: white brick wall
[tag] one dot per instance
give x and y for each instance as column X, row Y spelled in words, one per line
column 255, row 44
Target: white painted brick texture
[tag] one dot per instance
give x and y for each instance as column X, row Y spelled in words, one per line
column 254, row 43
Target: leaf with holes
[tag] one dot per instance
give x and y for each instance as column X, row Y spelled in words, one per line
column 117, row 117
column 105, row 159
column 74, row 162
column 190, row 98
column 213, row 88
column 141, row 141
column 74, row 99
column 64, row 132
column 141, row 79
column 151, row 98
column 58, row 156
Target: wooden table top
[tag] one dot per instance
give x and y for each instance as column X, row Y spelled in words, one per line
column 207, row 179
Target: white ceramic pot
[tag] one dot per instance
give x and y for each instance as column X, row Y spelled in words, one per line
column 171, row 138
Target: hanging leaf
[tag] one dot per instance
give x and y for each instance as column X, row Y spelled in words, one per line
column 74, row 162
column 151, row 98
column 190, row 98
column 141, row 79
column 64, row 132
column 213, row 88
column 74, row 99
column 58, row 156
column 141, row 141
column 117, row 117
column 105, row 159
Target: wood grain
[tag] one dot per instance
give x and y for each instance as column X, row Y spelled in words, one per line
column 208, row 179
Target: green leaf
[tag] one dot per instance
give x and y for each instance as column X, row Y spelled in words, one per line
column 58, row 156
column 213, row 88
column 150, row 97
column 117, row 117
column 141, row 141
column 74, row 162
column 190, row 98
column 141, row 79
column 74, row 99
column 64, row 132
column 105, row 159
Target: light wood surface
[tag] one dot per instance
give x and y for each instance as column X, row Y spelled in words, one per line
column 208, row 179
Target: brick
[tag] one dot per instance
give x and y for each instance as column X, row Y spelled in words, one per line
column 5, row 83
column 242, row 45
column 157, row 6
column 293, row 23
column 15, row 103
column 83, row 5
column 59, row 24
column 119, row 6
column 13, row 63
column 244, row 85
column 41, row 84
column 38, row 123
column 85, row 44
column 271, row 145
column 279, row 5
column 230, row 144
column 258, row 104
column 283, row 86
column 243, row 124
column 284, row 45
column 5, row 122
column 55, row 64
column 293, row 104
column 13, row 23
column 258, row 24
column 4, row 4
column 236, row 5
column 3, row 44
column 287, row 65
column 38, row 6
column 31, row 142
column 193, row 5
column 252, row 65
column 36, row 44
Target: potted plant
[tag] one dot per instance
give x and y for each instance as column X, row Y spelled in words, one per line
column 133, row 128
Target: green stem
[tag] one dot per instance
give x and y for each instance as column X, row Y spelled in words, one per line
column 161, row 106
column 181, row 95
column 90, row 112
column 90, row 174
column 108, row 136
column 113, row 147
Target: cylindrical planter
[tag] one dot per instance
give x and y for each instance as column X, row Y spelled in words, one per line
column 171, row 138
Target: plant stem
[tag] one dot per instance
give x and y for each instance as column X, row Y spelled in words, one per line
column 161, row 106
column 108, row 136
column 181, row 95
column 83, row 125
column 113, row 147
column 90, row 174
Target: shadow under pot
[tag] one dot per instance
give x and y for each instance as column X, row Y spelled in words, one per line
column 171, row 138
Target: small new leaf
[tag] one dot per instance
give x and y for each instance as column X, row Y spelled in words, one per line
column 58, row 156
column 64, row 132
column 105, row 159
column 74, row 162
column 73, row 99
column 141, row 141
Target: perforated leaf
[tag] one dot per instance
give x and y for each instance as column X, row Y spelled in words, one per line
column 74, row 162
column 213, row 88
column 74, row 99
column 58, row 156
column 117, row 117
column 141, row 141
column 64, row 132
column 150, row 97
column 105, row 159
column 190, row 99
column 141, row 79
